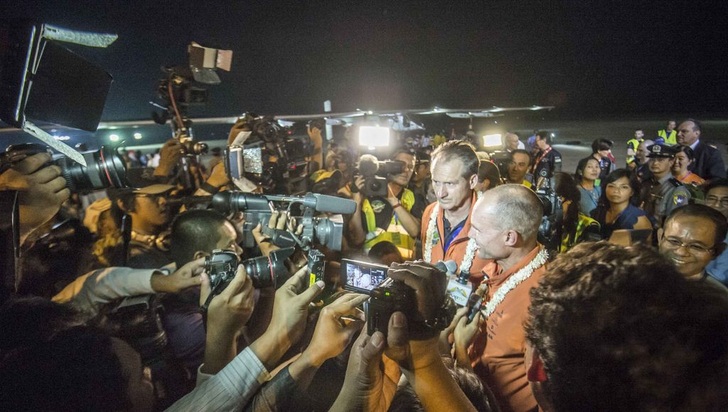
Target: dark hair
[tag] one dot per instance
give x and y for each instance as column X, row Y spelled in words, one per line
column 565, row 186
column 601, row 144
column 405, row 399
column 696, row 210
column 487, row 170
column 715, row 183
column 193, row 231
column 462, row 152
column 698, row 127
column 621, row 327
column 685, row 149
column 520, row 151
column 634, row 184
column 544, row 135
column 582, row 165
column 30, row 320
column 76, row 370
column 405, row 150
column 381, row 249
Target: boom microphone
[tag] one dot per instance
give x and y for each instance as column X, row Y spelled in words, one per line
column 368, row 165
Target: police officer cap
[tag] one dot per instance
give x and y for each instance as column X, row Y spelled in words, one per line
column 660, row 150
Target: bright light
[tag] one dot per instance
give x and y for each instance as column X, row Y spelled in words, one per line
column 114, row 137
column 62, row 138
column 374, row 136
column 492, row 140
column 137, row 136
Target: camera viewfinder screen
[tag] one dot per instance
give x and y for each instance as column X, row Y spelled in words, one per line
column 362, row 275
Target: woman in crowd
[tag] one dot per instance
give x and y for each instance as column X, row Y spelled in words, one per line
column 575, row 226
column 683, row 158
column 617, row 207
column 587, row 174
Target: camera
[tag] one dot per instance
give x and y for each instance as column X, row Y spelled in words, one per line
column 263, row 271
column 105, row 167
column 375, row 174
column 552, row 216
column 326, row 231
column 362, row 277
column 395, row 296
column 271, row 156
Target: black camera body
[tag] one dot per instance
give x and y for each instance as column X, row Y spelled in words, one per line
column 104, row 168
column 263, row 271
column 394, row 296
column 375, row 174
column 552, row 217
column 221, row 267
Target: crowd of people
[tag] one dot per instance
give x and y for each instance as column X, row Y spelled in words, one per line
column 601, row 289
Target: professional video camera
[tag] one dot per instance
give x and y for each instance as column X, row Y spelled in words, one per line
column 326, row 231
column 105, row 167
column 375, row 174
column 552, row 212
column 269, row 155
column 395, row 296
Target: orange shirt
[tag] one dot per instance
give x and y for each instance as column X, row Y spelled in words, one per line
column 499, row 348
column 457, row 248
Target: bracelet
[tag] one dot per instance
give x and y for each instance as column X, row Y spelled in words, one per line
column 209, row 188
column 397, row 205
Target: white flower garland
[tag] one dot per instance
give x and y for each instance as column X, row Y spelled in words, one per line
column 515, row 280
column 432, row 229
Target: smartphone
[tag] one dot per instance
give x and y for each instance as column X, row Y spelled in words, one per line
column 362, row 277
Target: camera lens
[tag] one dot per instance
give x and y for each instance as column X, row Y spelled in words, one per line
column 104, row 169
column 269, row 271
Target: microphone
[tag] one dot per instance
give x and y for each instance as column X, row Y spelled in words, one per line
column 447, row 266
column 368, row 165
column 329, row 204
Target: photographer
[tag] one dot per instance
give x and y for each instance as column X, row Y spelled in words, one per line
column 548, row 160
column 150, row 217
column 395, row 218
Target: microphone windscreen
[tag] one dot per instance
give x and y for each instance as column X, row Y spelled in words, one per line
column 368, row 165
column 333, row 204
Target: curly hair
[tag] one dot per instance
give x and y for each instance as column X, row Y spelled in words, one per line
column 619, row 328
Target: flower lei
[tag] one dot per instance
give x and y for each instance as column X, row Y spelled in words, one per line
column 432, row 229
column 514, row 280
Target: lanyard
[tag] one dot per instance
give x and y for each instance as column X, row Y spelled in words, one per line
column 449, row 237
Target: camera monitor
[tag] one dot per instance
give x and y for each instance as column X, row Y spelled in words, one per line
column 46, row 82
column 362, row 277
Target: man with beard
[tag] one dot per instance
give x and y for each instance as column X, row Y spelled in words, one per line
column 395, row 218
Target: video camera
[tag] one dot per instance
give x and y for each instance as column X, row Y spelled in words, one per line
column 326, row 231
column 375, row 174
column 269, row 155
column 553, row 214
column 395, row 296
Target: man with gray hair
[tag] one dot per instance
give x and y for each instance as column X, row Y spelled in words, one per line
column 505, row 226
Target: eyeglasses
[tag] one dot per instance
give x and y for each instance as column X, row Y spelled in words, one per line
column 693, row 248
column 715, row 200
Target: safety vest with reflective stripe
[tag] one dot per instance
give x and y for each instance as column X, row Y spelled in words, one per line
column 395, row 233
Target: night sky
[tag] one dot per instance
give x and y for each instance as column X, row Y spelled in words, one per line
column 589, row 58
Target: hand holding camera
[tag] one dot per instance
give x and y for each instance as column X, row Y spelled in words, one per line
column 418, row 291
column 42, row 189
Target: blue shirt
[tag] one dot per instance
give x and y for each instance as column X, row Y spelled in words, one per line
column 718, row 267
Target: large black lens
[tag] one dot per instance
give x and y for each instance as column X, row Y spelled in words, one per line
column 269, row 271
column 105, row 169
